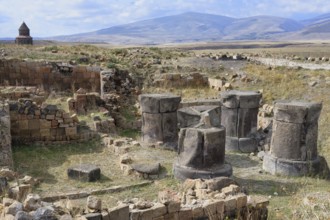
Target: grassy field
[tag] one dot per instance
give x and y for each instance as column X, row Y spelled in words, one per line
column 286, row 194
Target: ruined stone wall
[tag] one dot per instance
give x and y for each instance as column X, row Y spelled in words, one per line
column 5, row 136
column 27, row 92
column 46, row 123
column 49, row 76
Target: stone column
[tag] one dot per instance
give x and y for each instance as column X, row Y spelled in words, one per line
column 159, row 118
column 239, row 115
column 293, row 149
column 5, row 136
column 192, row 116
column 201, row 153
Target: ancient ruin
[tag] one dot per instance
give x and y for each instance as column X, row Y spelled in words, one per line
column 159, row 118
column 293, row 150
column 201, row 153
column 49, row 75
column 239, row 116
column 84, row 119
column 24, row 35
column 192, row 116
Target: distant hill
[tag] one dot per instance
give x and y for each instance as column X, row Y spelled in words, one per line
column 199, row 27
column 317, row 28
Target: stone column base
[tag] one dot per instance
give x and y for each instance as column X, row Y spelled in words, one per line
column 184, row 172
column 287, row 167
column 244, row 145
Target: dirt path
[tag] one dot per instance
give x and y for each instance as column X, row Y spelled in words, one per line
column 288, row 63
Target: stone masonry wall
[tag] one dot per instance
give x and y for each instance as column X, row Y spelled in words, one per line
column 49, row 76
column 46, row 123
column 5, row 136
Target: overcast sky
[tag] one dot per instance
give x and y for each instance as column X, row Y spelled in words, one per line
column 62, row 17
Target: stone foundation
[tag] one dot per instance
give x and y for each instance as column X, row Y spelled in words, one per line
column 159, row 118
column 83, row 102
column 49, row 76
column 201, row 154
column 32, row 123
column 239, row 114
column 293, row 149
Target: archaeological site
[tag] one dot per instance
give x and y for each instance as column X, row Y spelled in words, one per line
column 94, row 132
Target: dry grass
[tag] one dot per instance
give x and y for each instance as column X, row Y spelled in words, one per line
column 49, row 163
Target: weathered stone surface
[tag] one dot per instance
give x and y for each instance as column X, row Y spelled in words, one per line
column 159, row 118
column 240, row 99
column 152, row 127
column 94, row 203
column 190, row 153
column 287, row 167
column 84, row 172
column 159, row 103
column 185, row 213
column 219, row 182
column 149, row 169
column 293, row 149
column 68, row 217
column 286, row 140
column 247, row 121
column 119, row 212
column 44, row 213
column 229, row 119
column 192, row 116
column 239, row 117
column 93, row 216
column 170, row 127
column 32, row 202
column 214, row 152
column 297, row 111
column 21, row 215
column 14, row 208
column 201, row 153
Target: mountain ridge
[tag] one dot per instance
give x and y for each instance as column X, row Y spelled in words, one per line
column 198, row 27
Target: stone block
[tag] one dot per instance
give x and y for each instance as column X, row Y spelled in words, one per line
column 198, row 212
column 185, row 213
column 172, row 216
column 71, row 131
column 229, row 119
column 210, row 208
column 247, row 121
column 152, row 127
column 241, row 200
column 23, row 124
column 286, row 139
column 230, row 204
column 50, row 117
column 214, row 150
column 84, row 172
column 188, row 117
column 159, row 103
column 120, row 212
column 173, row 206
column 158, row 210
column 93, row 216
column 169, row 127
column 297, row 111
column 218, row 183
column 45, row 132
column 192, row 149
column 45, row 124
